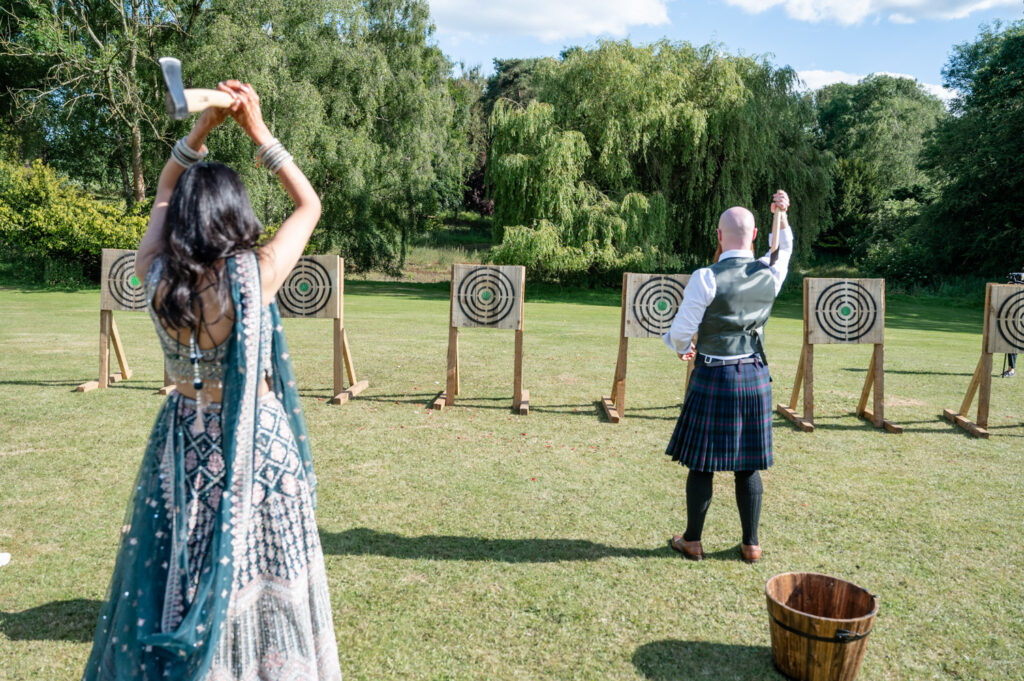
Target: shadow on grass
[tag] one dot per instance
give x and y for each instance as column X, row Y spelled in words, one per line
column 120, row 385
column 362, row 541
column 675, row 660
column 73, row 620
column 913, row 373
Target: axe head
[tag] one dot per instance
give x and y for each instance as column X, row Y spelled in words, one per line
column 177, row 106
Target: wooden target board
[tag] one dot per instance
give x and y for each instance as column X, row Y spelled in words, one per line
column 313, row 288
column 1003, row 332
column 842, row 311
column 649, row 306
column 846, row 311
column 652, row 301
column 120, row 288
column 1006, row 318
column 487, row 296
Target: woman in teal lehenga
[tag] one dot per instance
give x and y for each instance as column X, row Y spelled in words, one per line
column 220, row 573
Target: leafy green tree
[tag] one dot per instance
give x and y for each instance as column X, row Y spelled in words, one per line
column 876, row 130
column 635, row 152
column 978, row 157
column 361, row 97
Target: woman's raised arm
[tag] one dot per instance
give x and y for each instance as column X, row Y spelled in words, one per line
column 195, row 142
column 279, row 255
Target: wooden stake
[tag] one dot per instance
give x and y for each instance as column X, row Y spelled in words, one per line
column 981, row 383
column 615, row 404
column 106, row 324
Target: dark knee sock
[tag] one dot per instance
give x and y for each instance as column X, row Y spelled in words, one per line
column 748, row 500
column 698, row 498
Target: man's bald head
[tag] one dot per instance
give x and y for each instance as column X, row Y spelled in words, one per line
column 736, row 228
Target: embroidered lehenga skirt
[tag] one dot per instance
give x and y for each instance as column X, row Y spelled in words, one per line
column 278, row 623
column 726, row 420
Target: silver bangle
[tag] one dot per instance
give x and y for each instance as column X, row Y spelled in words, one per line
column 263, row 148
column 186, row 156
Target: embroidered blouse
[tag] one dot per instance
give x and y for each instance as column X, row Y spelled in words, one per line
column 211, row 360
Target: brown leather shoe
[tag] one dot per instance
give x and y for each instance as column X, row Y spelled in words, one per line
column 691, row 550
column 751, row 554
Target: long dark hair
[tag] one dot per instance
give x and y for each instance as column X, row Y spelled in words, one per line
column 209, row 217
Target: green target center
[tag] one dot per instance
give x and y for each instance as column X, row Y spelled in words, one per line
column 304, row 286
column 661, row 305
column 134, row 281
column 486, row 295
column 846, row 310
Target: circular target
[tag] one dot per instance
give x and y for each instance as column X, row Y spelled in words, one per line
column 655, row 303
column 124, row 285
column 1010, row 320
column 846, row 311
column 307, row 289
column 486, row 296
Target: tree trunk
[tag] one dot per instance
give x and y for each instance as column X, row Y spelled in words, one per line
column 122, row 165
column 138, row 182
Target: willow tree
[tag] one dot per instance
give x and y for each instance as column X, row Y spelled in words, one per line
column 663, row 138
column 703, row 128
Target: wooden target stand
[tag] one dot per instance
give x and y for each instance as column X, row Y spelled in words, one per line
column 850, row 312
column 649, row 304
column 315, row 288
column 120, row 290
column 486, row 296
column 1003, row 333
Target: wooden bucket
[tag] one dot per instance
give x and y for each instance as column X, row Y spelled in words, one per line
column 819, row 625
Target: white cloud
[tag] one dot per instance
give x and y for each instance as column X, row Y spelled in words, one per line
column 814, row 79
column 548, row 20
column 854, row 11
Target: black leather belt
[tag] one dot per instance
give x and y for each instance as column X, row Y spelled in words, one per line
column 704, row 360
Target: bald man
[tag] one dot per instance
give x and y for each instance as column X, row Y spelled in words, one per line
column 726, row 422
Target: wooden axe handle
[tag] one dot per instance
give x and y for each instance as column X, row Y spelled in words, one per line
column 201, row 100
column 776, row 228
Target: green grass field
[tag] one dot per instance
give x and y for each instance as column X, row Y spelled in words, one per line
column 475, row 544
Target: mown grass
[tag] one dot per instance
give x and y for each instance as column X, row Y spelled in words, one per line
column 475, row 544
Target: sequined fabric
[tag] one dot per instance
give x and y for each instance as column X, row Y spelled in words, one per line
column 279, row 621
column 220, row 574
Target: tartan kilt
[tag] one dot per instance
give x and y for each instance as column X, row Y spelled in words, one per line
column 726, row 421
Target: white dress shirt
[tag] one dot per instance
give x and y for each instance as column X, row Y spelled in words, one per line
column 702, row 289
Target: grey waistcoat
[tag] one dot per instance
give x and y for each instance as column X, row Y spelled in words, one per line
column 733, row 322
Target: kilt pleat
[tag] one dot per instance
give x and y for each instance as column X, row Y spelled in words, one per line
column 726, row 420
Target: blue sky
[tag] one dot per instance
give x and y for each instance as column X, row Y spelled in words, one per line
column 824, row 40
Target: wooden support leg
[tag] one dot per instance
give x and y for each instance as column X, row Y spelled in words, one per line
column 615, row 404
column 115, row 340
column 342, row 364
column 106, row 322
column 876, row 379
column 520, row 397
column 103, row 380
column 801, row 382
column 985, row 390
column 168, row 386
column 960, row 418
column 452, row 377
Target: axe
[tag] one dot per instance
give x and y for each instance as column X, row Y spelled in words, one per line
column 182, row 102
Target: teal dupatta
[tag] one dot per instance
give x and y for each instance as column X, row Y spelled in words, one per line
column 146, row 629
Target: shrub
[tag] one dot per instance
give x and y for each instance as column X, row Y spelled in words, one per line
column 43, row 217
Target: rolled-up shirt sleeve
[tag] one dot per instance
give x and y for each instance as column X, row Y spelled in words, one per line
column 696, row 297
column 781, row 267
